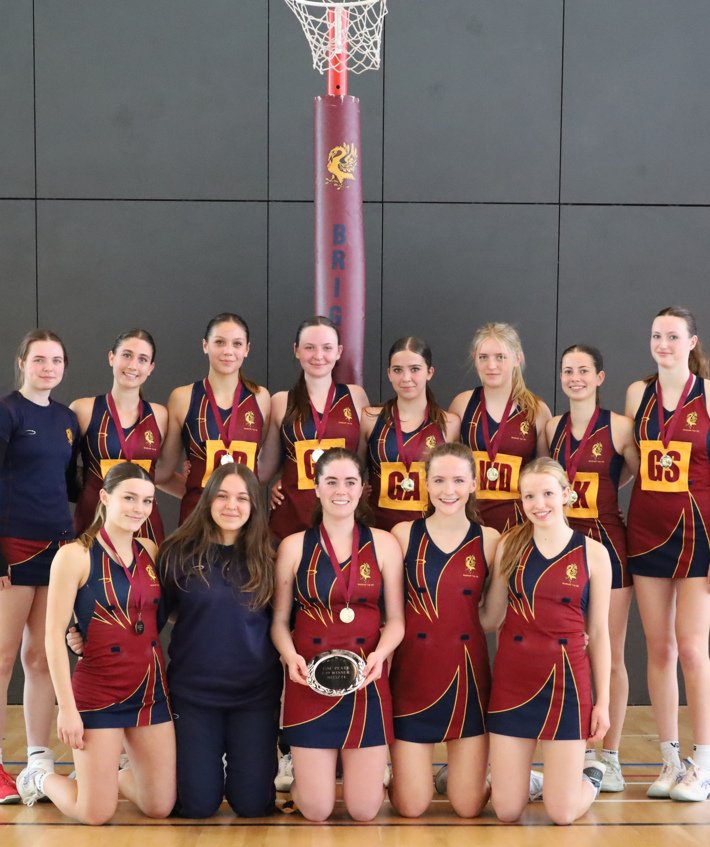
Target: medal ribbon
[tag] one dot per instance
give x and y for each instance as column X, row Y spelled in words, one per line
column 571, row 464
column 134, row 579
column 227, row 432
column 345, row 587
column 487, row 440
column 123, row 441
column 410, row 451
column 666, row 430
column 321, row 421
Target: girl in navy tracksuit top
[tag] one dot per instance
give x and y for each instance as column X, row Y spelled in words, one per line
column 224, row 674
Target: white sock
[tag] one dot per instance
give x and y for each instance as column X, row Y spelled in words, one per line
column 701, row 756
column 610, row 756
column 39, row 753
column 590, row 755
column 670, row 751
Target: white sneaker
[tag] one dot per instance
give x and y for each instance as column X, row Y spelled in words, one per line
column 284, row 777
column 441, row 779
column 670, row 774
column 694, row 785
column 28, row 778
column 535, row 790
column 387, row 778
column 613, row 778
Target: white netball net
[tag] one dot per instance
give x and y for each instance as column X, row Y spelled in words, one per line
column 342, row 35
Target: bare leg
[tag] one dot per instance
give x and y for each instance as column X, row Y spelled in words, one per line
column 38, row 695
column 150, row 781
column 363, row 781
column 412, row 788
column 510, row 775
column 657, row 605
column 93, row 796
column 619, row 692
column 567, row 795
column 467, row 789
column 313, row 790
column 692, row 629
column 15, row 604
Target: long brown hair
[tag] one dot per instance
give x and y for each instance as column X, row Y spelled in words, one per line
column 518, row 538
column 362, row 512
column 415, row 345
column 114, row 477
column 23, row 350
column 458, row 451
column 194, row 547
column 233, row 318
column 298, row 407
column 698, row 362
column 507, row 335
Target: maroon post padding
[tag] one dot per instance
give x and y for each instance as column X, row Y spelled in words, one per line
column 339, row 237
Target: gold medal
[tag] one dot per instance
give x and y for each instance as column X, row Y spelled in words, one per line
column 347, row 615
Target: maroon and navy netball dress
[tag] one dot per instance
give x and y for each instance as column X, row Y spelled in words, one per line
column 440, row 676
column 669, row 515
column 498, row 468
column 301, row 448
column 541, row 677
column 101, row 449
column 398, row 483
column 120, row 682
column 360, row 719
column 37, row 458
column 202, row 437
column 594, row 468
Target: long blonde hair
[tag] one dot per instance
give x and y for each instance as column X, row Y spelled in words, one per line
column 505, row 334
column 518, row 538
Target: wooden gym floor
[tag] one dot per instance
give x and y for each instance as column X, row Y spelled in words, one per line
column 621, row 820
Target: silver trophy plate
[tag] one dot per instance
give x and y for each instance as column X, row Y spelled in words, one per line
column 336, row 672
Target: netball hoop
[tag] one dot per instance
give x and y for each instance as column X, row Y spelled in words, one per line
column 343, row 37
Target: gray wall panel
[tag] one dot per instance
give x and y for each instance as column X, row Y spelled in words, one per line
column 636, row 103
column 165, row 98
column 472, row 103
column 106, row 267
column 17, row 280
column 449, row 269
column 618, row 268
column 16, row 100
column 292, row 86
column 291, row 290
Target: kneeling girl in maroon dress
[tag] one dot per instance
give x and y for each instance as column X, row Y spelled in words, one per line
column 554, row 582
column 440, row 672
column 117, row 695
column 338, row 572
